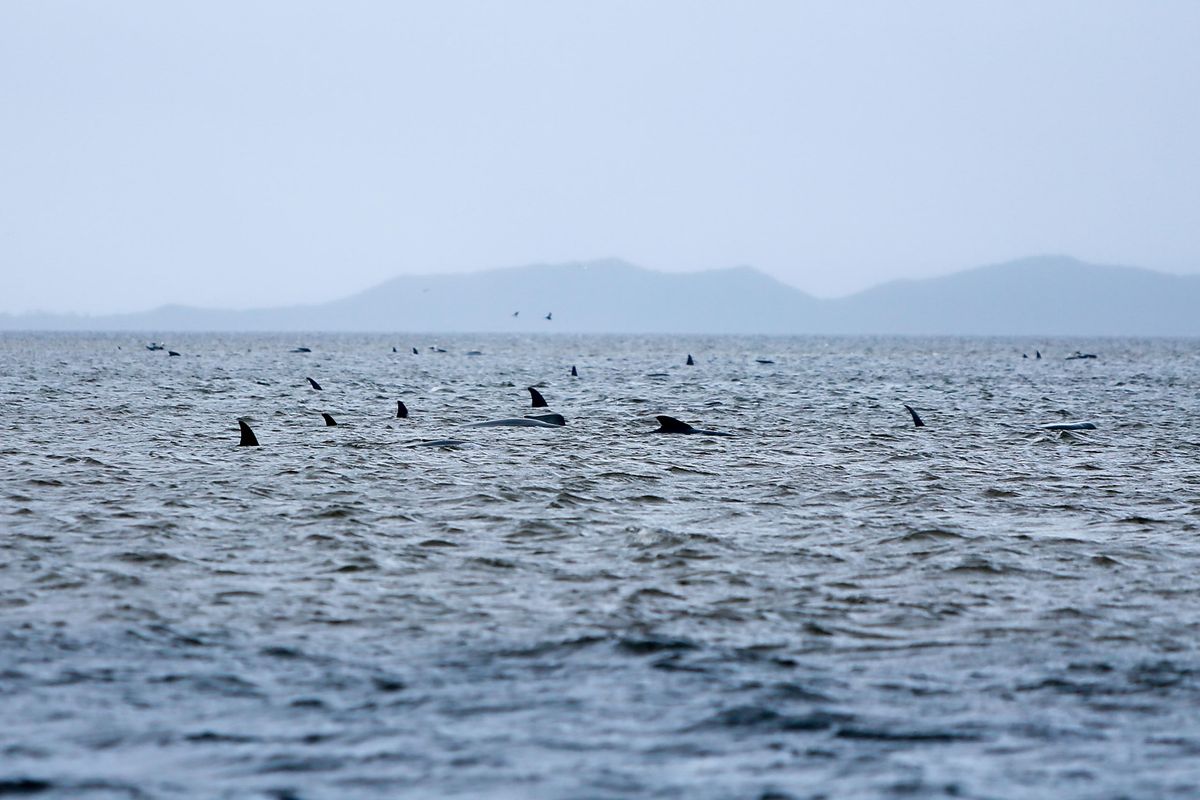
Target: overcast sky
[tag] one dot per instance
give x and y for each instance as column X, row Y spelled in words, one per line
column 245, row 154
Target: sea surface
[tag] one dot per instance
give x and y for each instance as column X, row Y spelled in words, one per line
column 830, row 603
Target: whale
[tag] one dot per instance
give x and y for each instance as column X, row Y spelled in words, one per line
column 416, row 352
column 553, row 419
column 172, row 353
column 691, row 362
column 401, row 410
column 538, row 400
column 248, row 437
column 1078, row 355
column 302, row 350
column 441, row 443
column 313, row 384
column 329, row 420
column 574, row 372
column 917, row 421
column 1070, row 426
column 672, row 425
column 519, row 422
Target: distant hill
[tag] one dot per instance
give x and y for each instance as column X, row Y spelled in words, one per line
column 1051, row 295
column 1046, row 295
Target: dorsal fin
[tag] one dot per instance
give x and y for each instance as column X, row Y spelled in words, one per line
column 538, row 400
column 329, row 420
column 691, row 362
column 416, row 352
column 401, row 410
column 314, row 384
column 672, row 425
column 917, row 422
column 248, row 437
column 574, row 372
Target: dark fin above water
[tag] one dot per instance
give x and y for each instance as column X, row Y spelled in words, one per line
column 313, row 384
column 248, row 437
column 574, row 372
column 538, row 400
column 672, row 425
column 691, row 362
column 1070, row 426
column 917, row 421
column 401, row 410
column 329, row 421
column 302, row 350
column 172, row 353
column 394, row 350
column 1038, row 353
column 553, row 419
column 416, row 352
column 1024, row 355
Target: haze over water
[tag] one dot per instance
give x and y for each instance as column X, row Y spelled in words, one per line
column 830, row 603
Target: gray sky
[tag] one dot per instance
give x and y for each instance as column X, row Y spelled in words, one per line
column 242, row 154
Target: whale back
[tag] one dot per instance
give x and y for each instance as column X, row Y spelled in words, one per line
column 553, row 419
column 248, row 437
column 515, row 422
column 1070, row 426
column 538, row 400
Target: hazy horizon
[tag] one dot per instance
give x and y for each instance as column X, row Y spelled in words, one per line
column 234, row 157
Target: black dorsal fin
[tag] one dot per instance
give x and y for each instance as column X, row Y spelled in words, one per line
column 574, row 372
column 538, row 400
column 917, row 422
column 401, row 410
column 248, row 437
column 672, row 425
column 691, row 362
column 329, row 420
column 416, row 352
column 314, row 384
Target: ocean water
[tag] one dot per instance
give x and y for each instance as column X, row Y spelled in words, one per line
column 830, row 603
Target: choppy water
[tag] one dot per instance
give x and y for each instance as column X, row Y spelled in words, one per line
column 832, row 603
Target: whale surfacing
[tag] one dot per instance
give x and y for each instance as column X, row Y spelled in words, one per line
column 248, row 437
column 517, row 422
column 553, row 419
column 329, row 420
column 538, row 400
column 401, row 410
column 1070, row 426
column 672, row 425
column 313, row 384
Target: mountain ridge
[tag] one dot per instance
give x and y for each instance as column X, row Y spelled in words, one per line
column 1037, row 295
